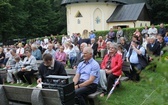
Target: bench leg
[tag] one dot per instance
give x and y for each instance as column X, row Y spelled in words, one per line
column 36, row 97
column 3, row 98
column 93, row 101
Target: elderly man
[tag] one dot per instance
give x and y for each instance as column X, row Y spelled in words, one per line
column 132, row 57
column 152, row 31
column 50, row 50
column 80, row 55
column 153, row 47
column 101, row 46
column 87, row 76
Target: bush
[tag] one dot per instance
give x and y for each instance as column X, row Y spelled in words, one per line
column 128, row 32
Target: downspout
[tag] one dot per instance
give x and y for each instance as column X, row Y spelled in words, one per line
column 134, row 24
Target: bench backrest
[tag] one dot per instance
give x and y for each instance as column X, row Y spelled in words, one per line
column 38, row 62
column 29, row 95
column 70, row 72
column 125, row 67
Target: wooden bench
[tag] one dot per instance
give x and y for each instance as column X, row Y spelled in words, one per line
column 3, row 74
column 38, row 62
column 92, row 98
column 14, row 95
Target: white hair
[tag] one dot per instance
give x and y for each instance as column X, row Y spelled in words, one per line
column 89, row 50
column 152, row 37
column 115, row 45
column 84, row 44
column 34, row 46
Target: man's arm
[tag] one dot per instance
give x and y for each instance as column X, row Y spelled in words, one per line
column 39, row 80
column 86, row 83
column 76, row 78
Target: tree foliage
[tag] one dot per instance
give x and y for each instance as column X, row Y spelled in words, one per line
column 34, row 18
column 31, row 18
column 159, row 10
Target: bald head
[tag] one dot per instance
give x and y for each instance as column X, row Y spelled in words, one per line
column 50, row 47
column 82, row 46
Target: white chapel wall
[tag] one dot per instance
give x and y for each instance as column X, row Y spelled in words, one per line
column 89, row 12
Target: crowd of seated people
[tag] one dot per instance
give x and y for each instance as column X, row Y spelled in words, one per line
column 20, row 60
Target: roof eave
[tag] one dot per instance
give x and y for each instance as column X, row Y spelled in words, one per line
column 122, row 21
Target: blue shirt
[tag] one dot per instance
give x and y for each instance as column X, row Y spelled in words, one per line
column 87, row 69
column 52, row 52
column 92, row 36
column 37, row 54
column 134, row 55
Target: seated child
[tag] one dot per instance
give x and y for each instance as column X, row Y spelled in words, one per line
column 14, row 70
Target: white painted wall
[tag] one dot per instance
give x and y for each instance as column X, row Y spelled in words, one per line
column 130, row 24
column 89, row 12
column 138, row 23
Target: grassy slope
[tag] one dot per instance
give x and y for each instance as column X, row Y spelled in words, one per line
column 138, row 93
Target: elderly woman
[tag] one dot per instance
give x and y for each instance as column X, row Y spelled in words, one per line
column 110, row 68
column 61, row 55
column 28, row 69
column 36, row 52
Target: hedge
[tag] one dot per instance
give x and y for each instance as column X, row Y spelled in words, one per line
column 128, row 32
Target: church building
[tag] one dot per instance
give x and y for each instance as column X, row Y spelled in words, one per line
column 103, row 14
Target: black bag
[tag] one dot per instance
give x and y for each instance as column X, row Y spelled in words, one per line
column 143, row 60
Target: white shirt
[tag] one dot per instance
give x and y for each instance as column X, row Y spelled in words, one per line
column 152, row 31
column 20, row 51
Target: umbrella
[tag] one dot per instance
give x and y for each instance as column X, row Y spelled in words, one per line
column 111, row 91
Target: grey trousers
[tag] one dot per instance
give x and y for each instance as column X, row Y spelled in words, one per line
column 103, row 80
column 9, row 75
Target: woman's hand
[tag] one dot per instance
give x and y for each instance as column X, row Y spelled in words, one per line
column 23, row 69
column 108, row 71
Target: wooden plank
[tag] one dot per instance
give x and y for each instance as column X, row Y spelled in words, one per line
column 50, row 93
column 39, row 61
column 71, row 72
column 51, row 97
column 18, row 93
column 3, row 98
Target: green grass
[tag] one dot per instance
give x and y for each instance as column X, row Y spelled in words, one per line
column 151, row 90
column 34, row 84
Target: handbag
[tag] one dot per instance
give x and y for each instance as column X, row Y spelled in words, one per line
column 143, row 61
